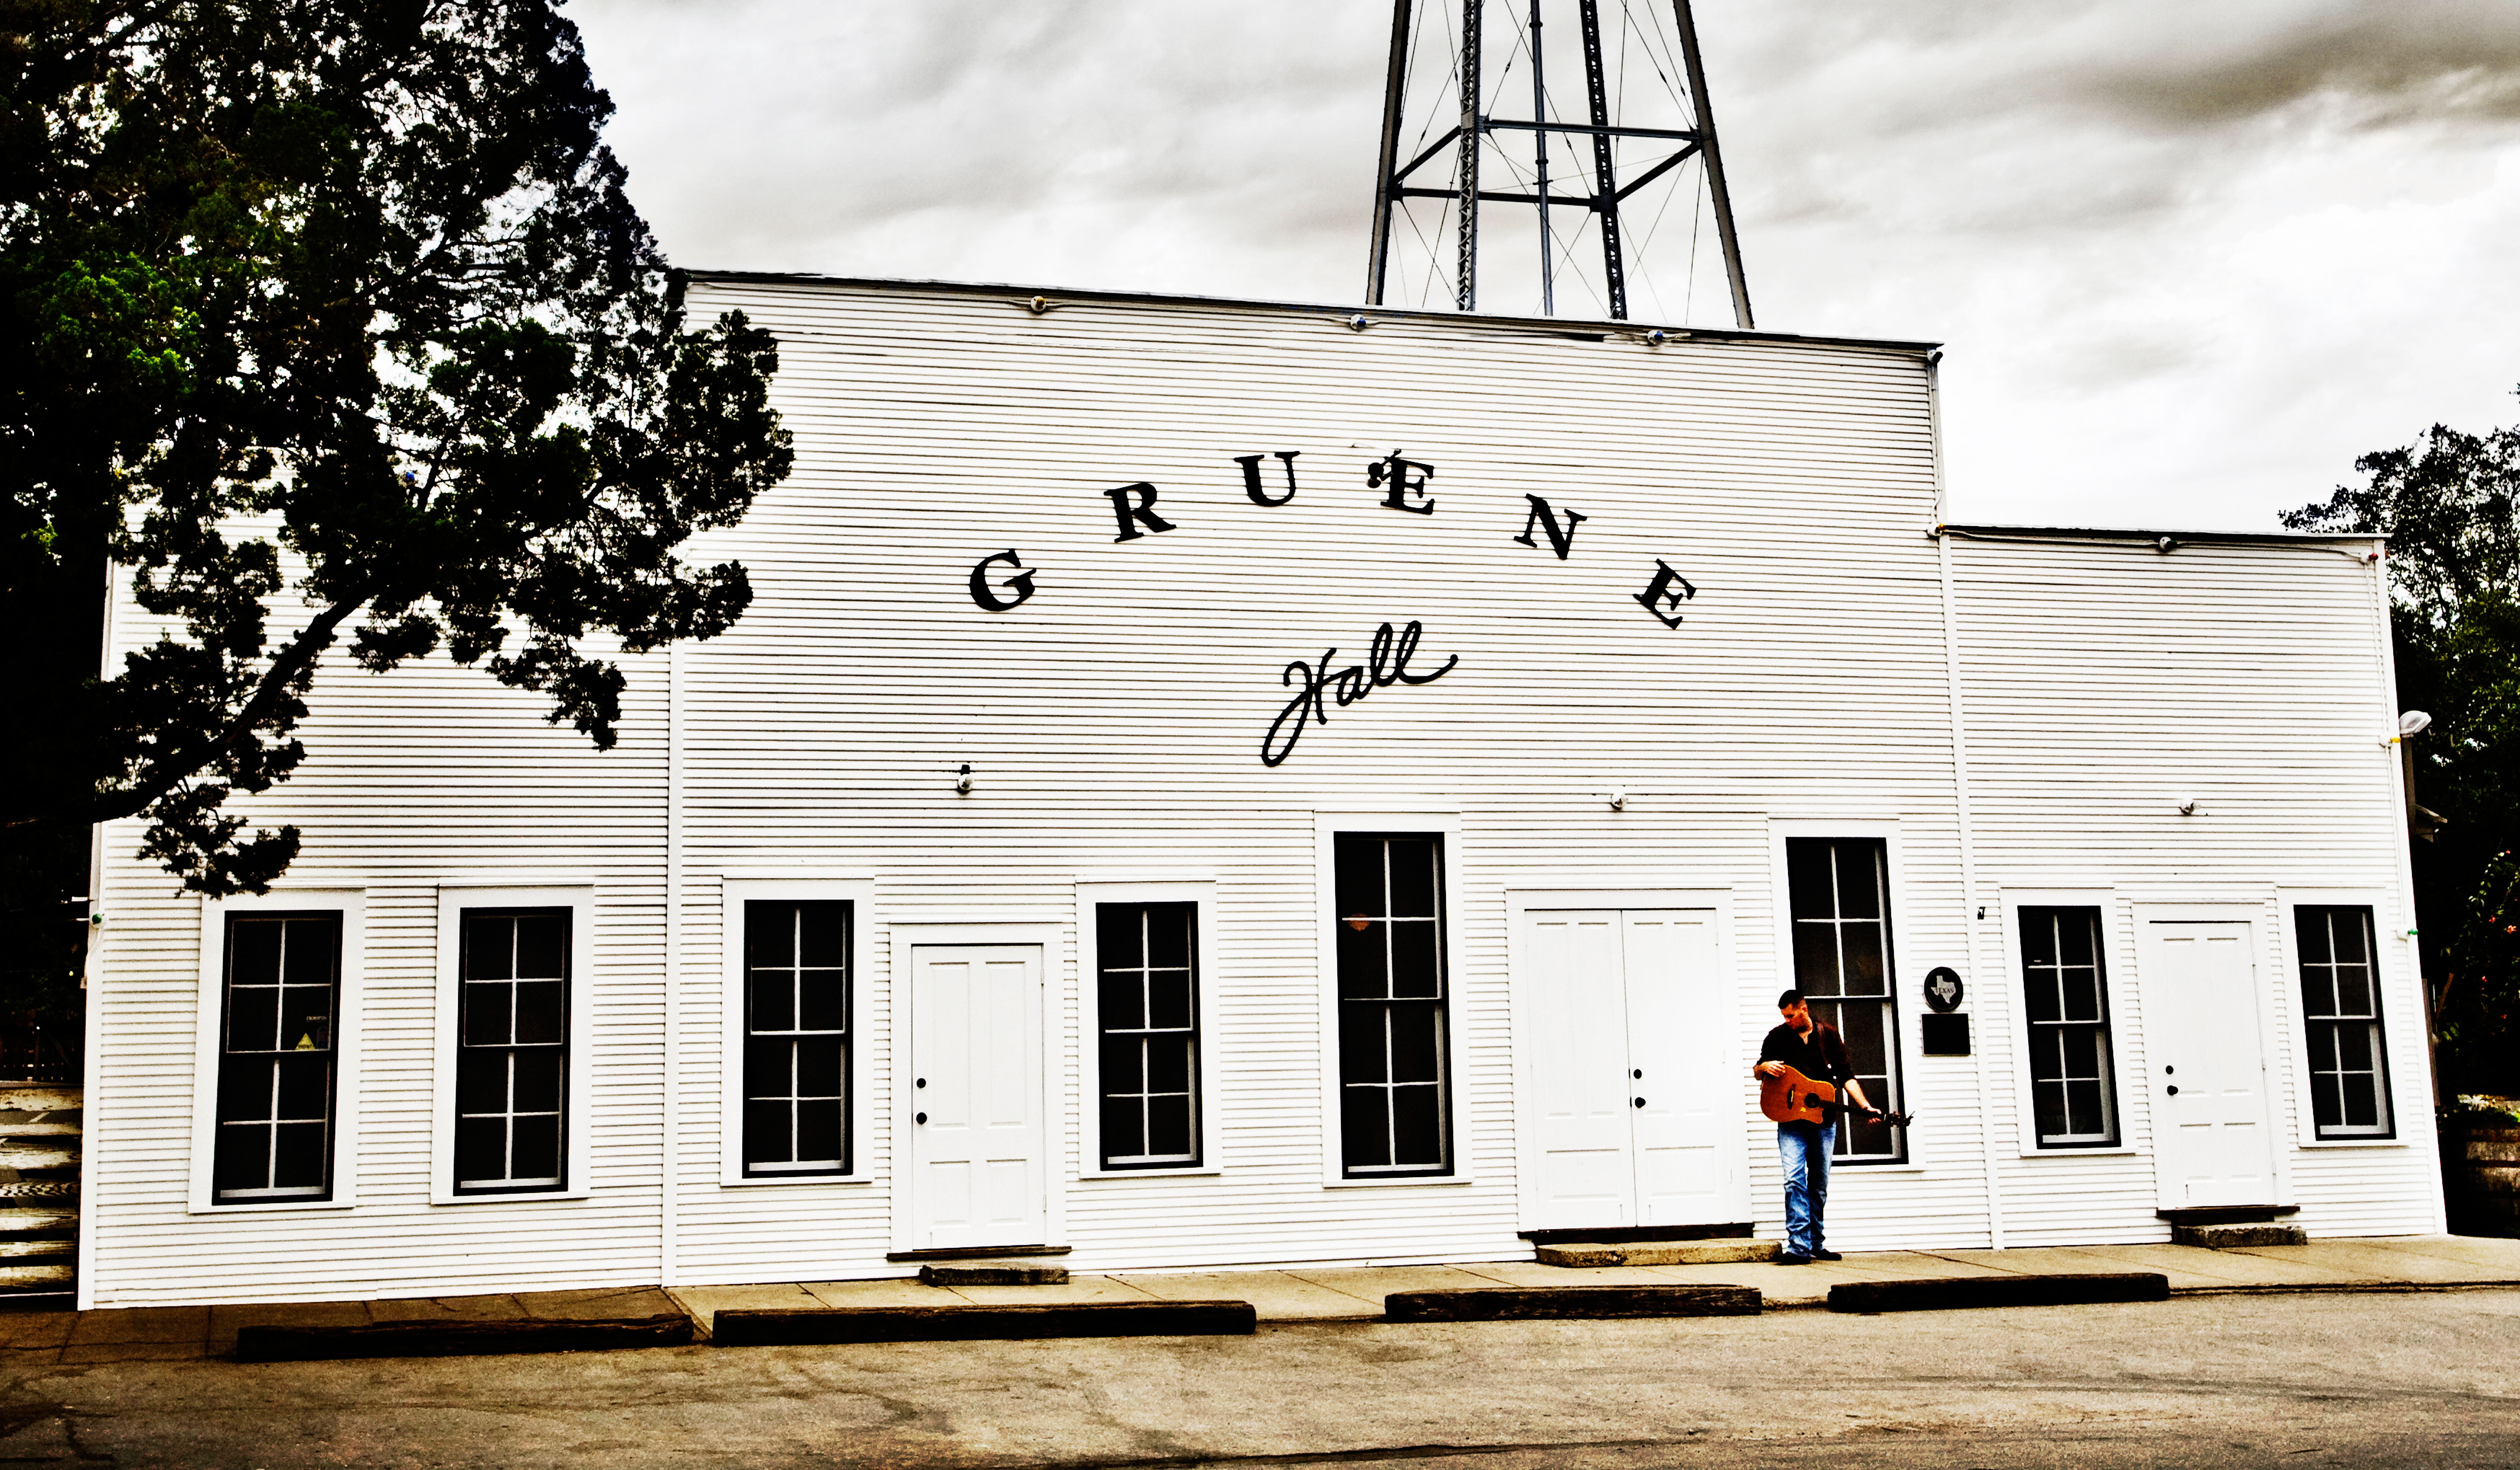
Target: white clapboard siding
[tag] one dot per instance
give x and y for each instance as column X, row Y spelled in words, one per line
column 1113, row 724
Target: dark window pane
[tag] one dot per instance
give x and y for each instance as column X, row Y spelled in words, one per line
column 2075, row 938
column 769, row 934
column 305, row 1086
column 2081, row 1045
column 1361, row 1043
column 253, row 951
column 481, row 1082
column 1124, row 1000
column 1417, row 1126
column 1361, row 960
column 1413, row 882
column 821, row 1063
column 1816, row 959
column 307, row 952
column 1358, row 881
column 1866, row 1045
column 2326, row 1108
column 2037, row 936
column 1167, row 1065
column 305, row 1025
column 486, row 1018
column 1416, row 1041
column 1868, row 1137
column 1123, row 1127
column 1118, row 932
column 1124, row 1064
column 1168, row 937
column 541, row 1012
column 1365, row 1128
column 489, row 947
column 246, row 1087
column 1865, row 974
column 2083, row 1107
column 2354, row 1047
column 480, row 1149
column 766, row 1132
column 2081, row 989
column 243, row 1159
column 538, row 1080
column 1812, row 893
column 2352, row 990
column 1170, row 996
column 253, row 1018
column 818, row 1128
column 1413, row 970
column 768, row 1063
column 2317, row 946
column 2047, row 1101
column 298, row 1156
column 2043, row 996
column 823, row 934
column 2319, row 991
column 2362, row 1101
column 1168, row 1126
column 822, row 1001
column 2323, row 1048
column 536, row 1147
column 774, row 999
column 542, row 945
column 1858, row 879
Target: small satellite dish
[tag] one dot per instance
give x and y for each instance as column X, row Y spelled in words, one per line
column 2413, row 721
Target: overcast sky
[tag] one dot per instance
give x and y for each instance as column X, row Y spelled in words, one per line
column 2188, row 260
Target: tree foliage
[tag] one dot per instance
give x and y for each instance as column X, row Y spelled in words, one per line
column 326, row 320
column 2448, row 505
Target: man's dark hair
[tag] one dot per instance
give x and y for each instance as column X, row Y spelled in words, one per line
column 1789, row 998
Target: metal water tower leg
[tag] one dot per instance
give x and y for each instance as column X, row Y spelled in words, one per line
column 1605, row 181
column 1540, row 146
column 1395, row 83
column 1467, row 271
column 1714, row 165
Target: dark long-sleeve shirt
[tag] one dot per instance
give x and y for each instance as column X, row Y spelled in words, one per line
column 1820, row 1057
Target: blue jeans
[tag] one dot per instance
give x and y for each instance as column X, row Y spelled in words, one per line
column 1804, row 1149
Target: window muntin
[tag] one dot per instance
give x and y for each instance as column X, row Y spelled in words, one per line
column 1394, row 1102
column 2340, row 1004
column 278, row 1058
column 1146, row 998
column 2064, row 982
column 796, row 1036
column 1838, row 890
column 511, row 1052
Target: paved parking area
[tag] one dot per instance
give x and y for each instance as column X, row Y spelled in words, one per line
column 1298, row 1294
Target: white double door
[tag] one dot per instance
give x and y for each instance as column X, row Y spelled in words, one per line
column 1634, row 1113
column 978, row 1152
column 2206, row 1054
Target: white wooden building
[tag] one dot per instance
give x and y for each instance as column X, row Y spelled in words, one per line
column 1210, row 783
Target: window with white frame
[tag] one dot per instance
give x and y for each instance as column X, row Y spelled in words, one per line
column 796, row 1036
column 1839, row 894
column 280, row 984
column 2073, row 1086
column 1147, row 999
column 512, row 1056
column 2340, row 1004
column 1394, row 1107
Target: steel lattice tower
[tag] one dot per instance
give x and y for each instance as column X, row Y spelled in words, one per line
column 1478, row 124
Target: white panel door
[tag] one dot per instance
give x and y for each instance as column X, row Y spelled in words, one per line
column 1630, row 1103
column 1684, row 1110
column 2213, row 1141
column 979, row 1174
column 1577, row 1005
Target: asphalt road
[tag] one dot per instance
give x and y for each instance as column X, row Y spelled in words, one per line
column 2364, row 1380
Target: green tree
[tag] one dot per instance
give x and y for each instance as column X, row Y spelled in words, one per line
column 324, row 320
column 2448, row 505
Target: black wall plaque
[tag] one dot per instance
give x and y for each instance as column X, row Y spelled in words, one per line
column 1946, row 1034
column 1943, row 988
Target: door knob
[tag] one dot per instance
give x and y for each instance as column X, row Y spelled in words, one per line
column 923, row 1117
column 2174, row 1089
column 922, row 1082
column 1639, row 1072
column 1640, row 1102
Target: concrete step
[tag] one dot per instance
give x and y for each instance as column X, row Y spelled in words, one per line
column 29, row 1252
column 41, row 1125
column 40, row 1097
column 46, row 1154
column 31, row 1224
column 1658, row 1253
column 994, row 1274
column 47, row 1275
column 2223, row 1237
column 65, row 1191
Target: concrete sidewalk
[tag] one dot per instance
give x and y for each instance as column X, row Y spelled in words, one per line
column 1297, row 1295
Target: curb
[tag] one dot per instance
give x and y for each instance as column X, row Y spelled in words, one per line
column 268, row 1344
column 1964, row 1292
column 1521, row 1304
column 796, row 1326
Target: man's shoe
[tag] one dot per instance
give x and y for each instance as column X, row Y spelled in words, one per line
column 1827, row 1256
column 1792, row 1259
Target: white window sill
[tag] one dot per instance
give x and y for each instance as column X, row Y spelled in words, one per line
column 796, row 1181
column 2120, row 1153
column 1412, row 1182
column 2398, row 1142
column 1837, row 1170
column 1208, row 1173
column 274, row 1207
column 509, row 1199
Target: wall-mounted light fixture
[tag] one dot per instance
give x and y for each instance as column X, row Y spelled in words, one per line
column 1618, row 801
column 1657, row 337
column 1037, row 305
column 1359, row 322
column 2187, row 808
column 2412, row 723
column 2166, row 545
column 962, row 780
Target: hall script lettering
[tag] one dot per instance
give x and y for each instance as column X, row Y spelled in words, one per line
column 1001, row 582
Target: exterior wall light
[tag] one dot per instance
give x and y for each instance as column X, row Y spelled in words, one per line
column 1618, row 801
column 1359, row 322
column 2166, row 545
column 1037, row 305
column 962, row 780
column 2187, row 808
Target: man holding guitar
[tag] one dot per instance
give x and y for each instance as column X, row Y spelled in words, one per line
column 1799, row 1049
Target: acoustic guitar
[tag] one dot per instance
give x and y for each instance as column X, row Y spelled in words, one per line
column 1796, row 1099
